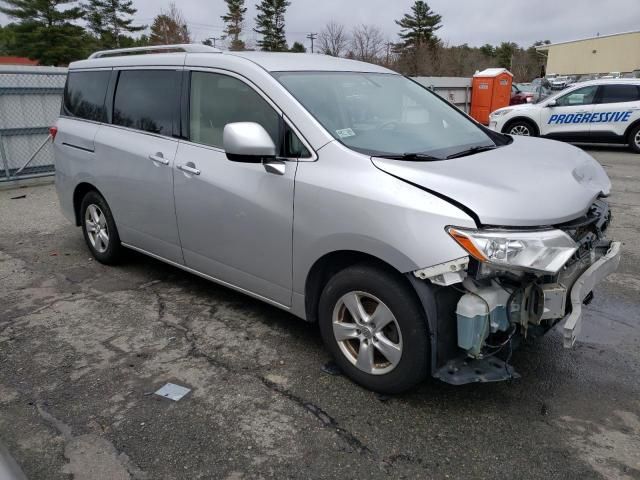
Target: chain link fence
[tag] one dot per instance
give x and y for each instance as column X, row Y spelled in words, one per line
column 30, row 99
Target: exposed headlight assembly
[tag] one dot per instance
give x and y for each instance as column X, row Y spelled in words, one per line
column 543, row 251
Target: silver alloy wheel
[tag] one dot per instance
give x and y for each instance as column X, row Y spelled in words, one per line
column 520, row 130
column 637, row 139
column 367, row 333
column 97, row 229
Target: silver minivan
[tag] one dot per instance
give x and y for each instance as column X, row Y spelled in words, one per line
column 421, row 242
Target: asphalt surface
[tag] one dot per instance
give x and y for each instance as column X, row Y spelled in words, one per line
column 83, row 346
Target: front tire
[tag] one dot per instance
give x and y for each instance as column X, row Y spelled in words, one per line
column 99, row 229
column 634, row 139
column 375, row 328
column 522, row 128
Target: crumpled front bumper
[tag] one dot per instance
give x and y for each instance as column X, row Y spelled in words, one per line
column 598, row 271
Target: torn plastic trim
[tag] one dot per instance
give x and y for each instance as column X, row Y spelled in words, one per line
column 584, row 285
column 445, row 274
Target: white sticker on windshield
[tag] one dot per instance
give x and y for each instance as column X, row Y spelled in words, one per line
column 346, row 132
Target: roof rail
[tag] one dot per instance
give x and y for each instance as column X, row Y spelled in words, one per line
column 183, row 47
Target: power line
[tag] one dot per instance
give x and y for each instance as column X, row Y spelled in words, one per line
column 312, row 37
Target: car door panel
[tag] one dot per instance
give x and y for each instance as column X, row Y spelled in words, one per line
column 236, row 221
column 569, row 119
column 618, row 107
column 139, row 189
column 137, row 151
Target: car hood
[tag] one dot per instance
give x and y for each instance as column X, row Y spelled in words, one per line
column 531, row 182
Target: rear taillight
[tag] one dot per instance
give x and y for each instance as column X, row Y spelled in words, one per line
column 53, row 131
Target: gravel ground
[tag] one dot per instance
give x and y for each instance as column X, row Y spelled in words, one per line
column 82, row 346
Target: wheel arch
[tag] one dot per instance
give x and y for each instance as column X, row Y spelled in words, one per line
column 521, row 118
column 630, row 128
column 78, row 194
column 330, row 264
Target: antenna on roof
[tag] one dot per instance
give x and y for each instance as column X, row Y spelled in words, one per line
column 183, row 47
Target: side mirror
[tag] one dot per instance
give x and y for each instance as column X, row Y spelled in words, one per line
column 247, row 142
column 552, row 103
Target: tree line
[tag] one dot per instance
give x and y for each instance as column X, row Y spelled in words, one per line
column 56, row 32
column 420, row 52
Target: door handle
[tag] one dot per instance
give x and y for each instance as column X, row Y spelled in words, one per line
column 159, row 157
column 277, row 167
column 189, row 167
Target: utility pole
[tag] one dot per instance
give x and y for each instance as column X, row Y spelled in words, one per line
column 388, row 45
column 312, row 37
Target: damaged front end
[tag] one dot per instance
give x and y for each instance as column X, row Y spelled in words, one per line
column 514, row 284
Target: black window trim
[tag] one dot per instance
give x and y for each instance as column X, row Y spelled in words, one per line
column 284, row 121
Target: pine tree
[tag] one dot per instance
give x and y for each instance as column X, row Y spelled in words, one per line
column 7, row 39
column 504, row 54
column 234, row 20
column 297, row 47
column 270, row 24
column 110, row 20
column 45, row 32
column 418, row 29
column 488, row 50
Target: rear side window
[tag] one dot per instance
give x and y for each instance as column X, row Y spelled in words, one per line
column 84, row 95
column 620, row 93
column 144, row 100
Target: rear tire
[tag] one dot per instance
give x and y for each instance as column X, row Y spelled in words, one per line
column 99, row 229
column 385, row 346
column 522, row 128
column 634, row 139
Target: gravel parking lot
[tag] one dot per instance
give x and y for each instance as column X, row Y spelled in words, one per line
column 82, row 346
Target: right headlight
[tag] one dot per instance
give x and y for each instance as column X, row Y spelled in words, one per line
column 544, row 251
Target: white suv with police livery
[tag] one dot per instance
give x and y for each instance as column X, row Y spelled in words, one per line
column 599, row 111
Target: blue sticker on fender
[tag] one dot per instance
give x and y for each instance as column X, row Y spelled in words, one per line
column 601, row 117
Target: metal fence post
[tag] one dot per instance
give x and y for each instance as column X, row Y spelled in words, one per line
column 5, row 162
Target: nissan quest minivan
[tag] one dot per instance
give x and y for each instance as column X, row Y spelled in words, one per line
column 421, row 242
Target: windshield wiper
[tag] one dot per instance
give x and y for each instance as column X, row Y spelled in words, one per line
column 472, row 150
column 413, row 157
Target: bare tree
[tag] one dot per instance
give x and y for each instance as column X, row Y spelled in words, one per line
column 367, row 43
column 334, row 40
column 170, row 27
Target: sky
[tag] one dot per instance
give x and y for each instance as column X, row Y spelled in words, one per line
column 474, row 22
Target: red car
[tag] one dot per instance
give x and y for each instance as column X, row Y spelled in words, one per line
column 527, row 93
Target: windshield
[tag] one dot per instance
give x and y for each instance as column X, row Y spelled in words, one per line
column 383, row 114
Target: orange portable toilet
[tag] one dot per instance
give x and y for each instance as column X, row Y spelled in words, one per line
column 490, row 91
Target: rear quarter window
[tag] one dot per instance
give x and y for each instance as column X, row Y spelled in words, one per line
column 84, row 95
column 620, row 93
